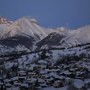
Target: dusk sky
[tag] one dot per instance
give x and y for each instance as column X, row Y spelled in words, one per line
column 49, row 13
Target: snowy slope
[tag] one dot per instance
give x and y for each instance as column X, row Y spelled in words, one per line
column 24, row 31
column 56, row 68
column 4, row 23
column 25, row 26
column 70, row 37
column 79, row 36
column 29, row 29
column 53, row 72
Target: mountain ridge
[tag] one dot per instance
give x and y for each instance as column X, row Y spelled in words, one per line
column 34, row 56
column 29, row 28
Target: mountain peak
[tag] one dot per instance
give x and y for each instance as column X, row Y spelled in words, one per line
column 25, row 26
column 32, row 20
column 5, row 21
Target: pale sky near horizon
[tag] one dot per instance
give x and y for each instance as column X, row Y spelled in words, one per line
column 49, row 13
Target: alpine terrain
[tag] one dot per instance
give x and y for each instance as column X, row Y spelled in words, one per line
column 33, row 57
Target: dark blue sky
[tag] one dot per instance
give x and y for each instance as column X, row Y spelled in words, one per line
column 50, row 13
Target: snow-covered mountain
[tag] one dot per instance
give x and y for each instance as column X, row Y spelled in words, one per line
column 24, row 26
column 27, row 31
column 5, row 21
column 24, row 31
column 66, row 38
column 52, row 40
column 79, row 36
column 33, row 57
